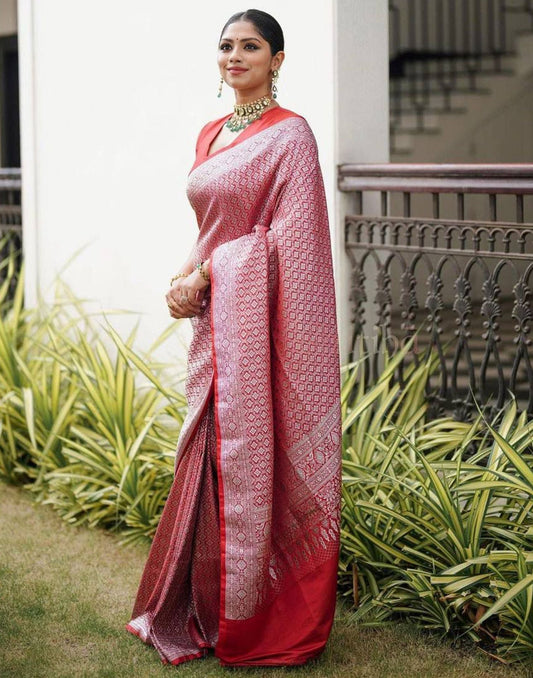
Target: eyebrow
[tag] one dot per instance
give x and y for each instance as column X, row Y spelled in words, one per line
column 230, row 40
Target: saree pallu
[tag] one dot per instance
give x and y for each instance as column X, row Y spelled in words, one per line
column 245, row 556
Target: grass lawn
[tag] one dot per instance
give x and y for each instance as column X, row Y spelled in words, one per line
column 67, row 592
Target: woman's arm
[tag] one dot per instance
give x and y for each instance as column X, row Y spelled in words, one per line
column 193, row 286
column 190, row 265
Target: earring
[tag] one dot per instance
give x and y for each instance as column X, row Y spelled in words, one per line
column 220, row 87
column 275, row 75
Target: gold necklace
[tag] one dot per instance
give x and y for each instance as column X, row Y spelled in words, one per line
column 244, row 114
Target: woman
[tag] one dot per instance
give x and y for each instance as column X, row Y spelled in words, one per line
column 245, row 556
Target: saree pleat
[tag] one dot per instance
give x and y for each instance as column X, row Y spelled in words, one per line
column 245, row 556
column 177, row 604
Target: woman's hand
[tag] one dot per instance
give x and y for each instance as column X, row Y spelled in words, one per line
column 193, row 287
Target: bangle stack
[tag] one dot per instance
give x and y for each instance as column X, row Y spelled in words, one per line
column 198, row 266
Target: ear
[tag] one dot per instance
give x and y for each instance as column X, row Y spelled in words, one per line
column 277, row 60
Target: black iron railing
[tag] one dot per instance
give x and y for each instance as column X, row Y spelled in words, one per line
column 10, row 223
column 444, row 253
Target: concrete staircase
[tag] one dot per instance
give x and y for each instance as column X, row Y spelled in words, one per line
column 437, row 105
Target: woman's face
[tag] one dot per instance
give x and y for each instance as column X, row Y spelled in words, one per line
column 242, row 47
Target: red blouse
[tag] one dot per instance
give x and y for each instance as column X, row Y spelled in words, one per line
column 211, row 129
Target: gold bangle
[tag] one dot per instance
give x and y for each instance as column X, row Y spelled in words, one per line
column 178, row 275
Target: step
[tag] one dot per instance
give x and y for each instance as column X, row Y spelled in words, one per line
column 436, row 102
column 413, row 61
column 405, row 129
column 516, row 7
column 414, row 121
column 458, row 81
column 465, row 67
column 401, row 144
column 410, row 118
column 399, row 154
column 422, row 89
column 524, row 32
column 437, row 110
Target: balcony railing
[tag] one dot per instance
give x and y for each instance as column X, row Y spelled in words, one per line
column 10, row 222
column 444, row 253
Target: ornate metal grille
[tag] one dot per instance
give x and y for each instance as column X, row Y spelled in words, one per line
column 445, row 254
column 10, row 222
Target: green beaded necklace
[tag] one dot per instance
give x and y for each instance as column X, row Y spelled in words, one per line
column 244, row 114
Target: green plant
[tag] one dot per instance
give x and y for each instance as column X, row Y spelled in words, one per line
column 88, row 424
column 421, row 520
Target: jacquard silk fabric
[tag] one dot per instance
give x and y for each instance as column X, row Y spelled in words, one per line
column 245, row 556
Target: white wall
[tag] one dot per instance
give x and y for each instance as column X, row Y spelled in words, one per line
column 8, row 17
column 113, row 96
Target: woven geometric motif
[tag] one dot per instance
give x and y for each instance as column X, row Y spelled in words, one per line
column 275, row 343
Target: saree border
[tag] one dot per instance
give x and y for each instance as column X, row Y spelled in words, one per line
column 222, row 521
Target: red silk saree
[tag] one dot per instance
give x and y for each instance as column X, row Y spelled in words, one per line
column 245, row 556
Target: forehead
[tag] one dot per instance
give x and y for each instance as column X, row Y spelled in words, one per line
column 240, row 30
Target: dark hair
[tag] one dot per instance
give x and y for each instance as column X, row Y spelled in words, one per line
column 265, row 24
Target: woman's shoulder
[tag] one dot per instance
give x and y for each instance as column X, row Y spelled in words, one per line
column 278, row 113
column 285, row 112
column 296, row 126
